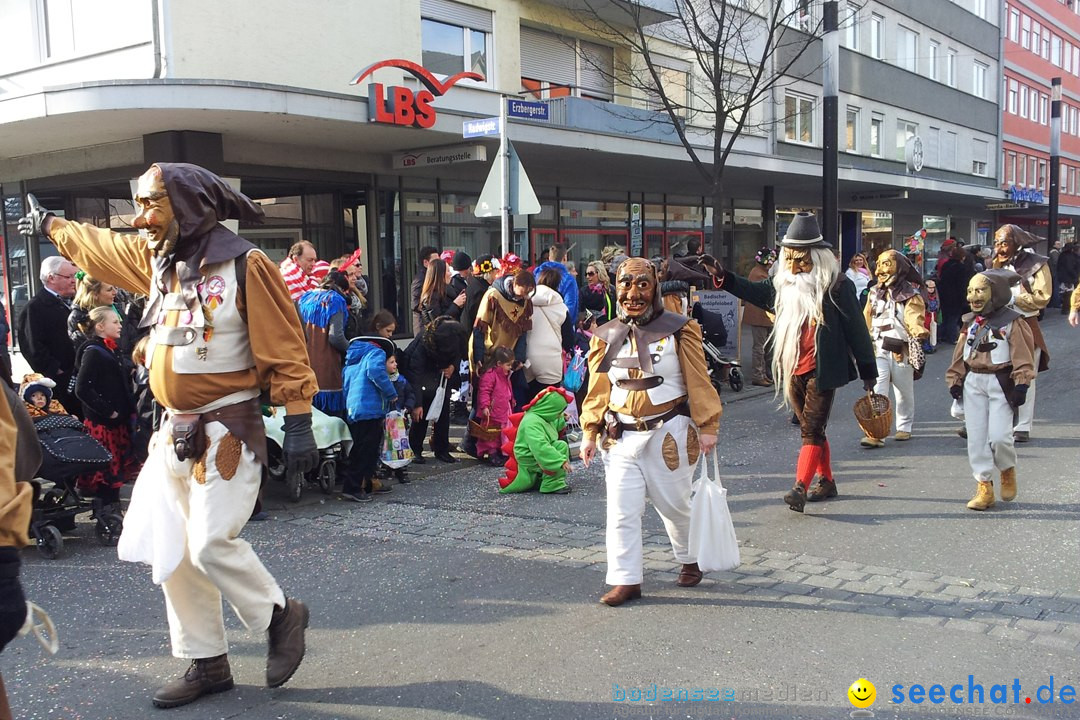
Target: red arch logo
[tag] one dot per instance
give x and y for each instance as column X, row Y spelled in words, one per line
column 398, row 105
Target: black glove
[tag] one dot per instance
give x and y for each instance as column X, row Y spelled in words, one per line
column 957, row 392
column 301, row 452
column 868, row 385
column 1019, row 395
column 32, row 224
column 711, row 264
column 12, row 600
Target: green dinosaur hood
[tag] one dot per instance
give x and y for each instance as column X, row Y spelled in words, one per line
column 550, row 407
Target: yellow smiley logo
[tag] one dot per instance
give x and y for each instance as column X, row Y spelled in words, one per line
column 862, row 693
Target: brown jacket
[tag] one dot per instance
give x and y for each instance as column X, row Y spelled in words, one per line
column 20, row 456
column 1021, row 350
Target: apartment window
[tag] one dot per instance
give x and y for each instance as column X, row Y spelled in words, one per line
column 1014, row 25
column 1055, row 50
column 980, row 157
column 1034, row 109
column 1074, row 120
column 1076, row 57
column 674, row 81
column 553, row 66
column 1010, row 169
column 1021, row 170
column 851, row 130
column 1023, row 101
column 1036, row 36
column 948, row 151
column 933, row 56
column 932, row 147
column 798, row 118
column 849, row 23
column 1025, row 32
column 1033, row 172
column 1046, row 44
column 980, row 8
column 978, row 80
column 950, row 68
column 877, row 122
column 1012, row 95
column 1072, row 181
column 1066, row 57
column 455, row 38
column 905, row 130
column 1044, row 102
column 907, row 49
column 1042, row 175
column 877, row 36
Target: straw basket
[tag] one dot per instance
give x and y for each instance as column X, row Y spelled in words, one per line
column 874, row 414
column 483, row 431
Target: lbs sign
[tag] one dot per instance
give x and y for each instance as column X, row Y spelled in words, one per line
column 397, row 105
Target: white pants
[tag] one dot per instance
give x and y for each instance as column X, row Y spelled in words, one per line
column 988, row 418
column 216, row 562
column 640, row 464
column 902, row 378
column 1025, row 414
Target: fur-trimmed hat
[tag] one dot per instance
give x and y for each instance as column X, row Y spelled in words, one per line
column 36, row 382
column 803, row 232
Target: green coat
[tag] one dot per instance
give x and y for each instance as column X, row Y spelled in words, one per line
column 844, row 349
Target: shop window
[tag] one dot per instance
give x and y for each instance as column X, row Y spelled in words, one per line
column 798, row 118
column 455, row 38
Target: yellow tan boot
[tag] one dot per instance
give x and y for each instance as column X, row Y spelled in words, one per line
column 1008, row 484
column 984, row 496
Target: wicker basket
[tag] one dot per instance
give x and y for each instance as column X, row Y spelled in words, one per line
column 874, row 413
column 482, row 431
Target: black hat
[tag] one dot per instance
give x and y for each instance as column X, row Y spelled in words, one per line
column 385, row 344
column 803, row 232
column 462, row 261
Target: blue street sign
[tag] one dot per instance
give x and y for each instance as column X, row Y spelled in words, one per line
column 480, row 128
column 527, row 110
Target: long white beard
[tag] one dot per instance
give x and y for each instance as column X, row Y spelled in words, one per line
column 798, row 302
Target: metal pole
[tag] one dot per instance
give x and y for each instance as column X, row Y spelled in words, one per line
column 830, row 46
column 1055, row 161
column 504, row 178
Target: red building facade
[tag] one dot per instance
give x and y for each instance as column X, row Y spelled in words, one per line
column 1041, row 41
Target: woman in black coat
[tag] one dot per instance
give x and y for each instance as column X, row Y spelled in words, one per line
column 952, row 290
column 437, row 297
column 104, row 388
column 434, row 354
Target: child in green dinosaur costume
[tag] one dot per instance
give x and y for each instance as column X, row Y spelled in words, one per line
column 542, row 458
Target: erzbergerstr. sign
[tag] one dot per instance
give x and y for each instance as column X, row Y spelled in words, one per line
column 399, row 105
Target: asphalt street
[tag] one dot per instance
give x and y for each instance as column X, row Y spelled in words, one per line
column 445, row 599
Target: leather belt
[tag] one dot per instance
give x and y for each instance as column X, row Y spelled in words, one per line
column 987, row 371
column 645, row 383
column 616, row 427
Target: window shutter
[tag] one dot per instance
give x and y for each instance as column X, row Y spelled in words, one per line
column 597, row 66
column 456, row 14
column 546, row 56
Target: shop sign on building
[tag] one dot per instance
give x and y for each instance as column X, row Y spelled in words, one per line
column 441, row 156
column 1018, row 195
column 399, row 105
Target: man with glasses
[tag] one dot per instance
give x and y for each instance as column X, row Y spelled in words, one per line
column 42, row 325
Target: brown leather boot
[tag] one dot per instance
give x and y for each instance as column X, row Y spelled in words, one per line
column 204, row 677
column 1008, row 484
column 286, row 640
column 620, row 594
column 689, row 575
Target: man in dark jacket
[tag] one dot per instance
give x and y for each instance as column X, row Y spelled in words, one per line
column 820, row 343
column 42, row 325
column 952, row 291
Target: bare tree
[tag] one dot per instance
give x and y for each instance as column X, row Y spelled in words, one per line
column 738, row 52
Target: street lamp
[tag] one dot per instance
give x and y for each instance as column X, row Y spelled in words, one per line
column 830, row 47
column 1055, row 160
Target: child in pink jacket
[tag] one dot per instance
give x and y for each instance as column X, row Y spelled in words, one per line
column 493, row 402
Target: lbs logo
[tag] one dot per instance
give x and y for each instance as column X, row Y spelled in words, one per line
column 397, row 105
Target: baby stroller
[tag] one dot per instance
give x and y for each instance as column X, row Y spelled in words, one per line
column 721, row 367
column 334, row 442
column 67, row 452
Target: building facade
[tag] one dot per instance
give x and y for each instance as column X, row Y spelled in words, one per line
column 1041, row 42
column 260, row 93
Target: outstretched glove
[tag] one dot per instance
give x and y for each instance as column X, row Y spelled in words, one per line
column 957, row 392
column 301, row 452
column 1019, row 395
column 33, row 224
column 711, row 264
column 12, row 600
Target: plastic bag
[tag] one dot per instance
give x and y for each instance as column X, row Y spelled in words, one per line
column 574, row 374
column 436, row 407
column 396, row 451
column 712, row 532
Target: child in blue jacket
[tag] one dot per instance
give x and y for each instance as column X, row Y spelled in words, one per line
column 368, row 394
